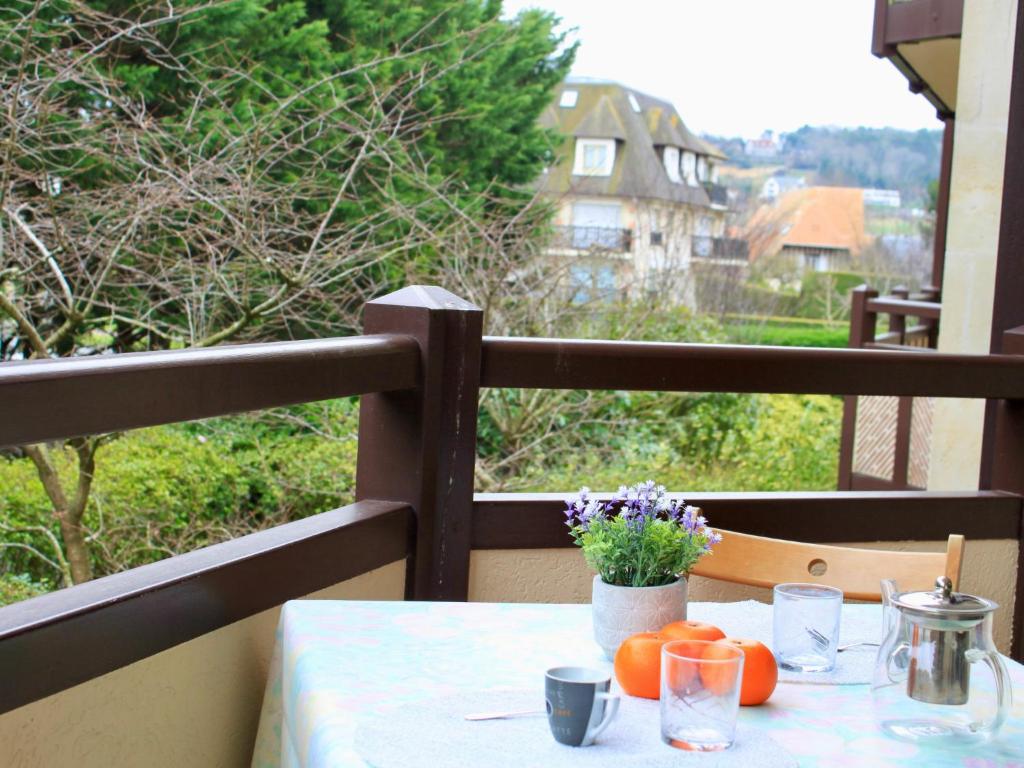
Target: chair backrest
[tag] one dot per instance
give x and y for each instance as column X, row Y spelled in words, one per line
column 762, row 562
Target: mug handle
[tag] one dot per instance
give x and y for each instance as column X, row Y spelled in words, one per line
column 610, row 710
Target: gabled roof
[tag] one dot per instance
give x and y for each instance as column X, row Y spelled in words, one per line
column 823, row 217
column 603, row 110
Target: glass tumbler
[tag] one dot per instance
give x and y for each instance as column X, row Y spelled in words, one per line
column 700, row 694
column 805, row 626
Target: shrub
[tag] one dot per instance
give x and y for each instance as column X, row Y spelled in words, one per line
column 167, row 490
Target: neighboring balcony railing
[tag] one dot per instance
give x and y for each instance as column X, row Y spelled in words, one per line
column 886, row 442
column 718, row 194
column 720, row 248
column 614, row 239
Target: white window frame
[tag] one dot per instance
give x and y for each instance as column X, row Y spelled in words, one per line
column 582, row 168
column 569, row 98
column 670, row 159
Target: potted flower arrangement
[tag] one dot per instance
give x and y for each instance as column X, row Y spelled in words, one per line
column 642, row 545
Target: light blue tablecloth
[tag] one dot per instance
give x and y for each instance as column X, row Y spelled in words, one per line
column 337, row 663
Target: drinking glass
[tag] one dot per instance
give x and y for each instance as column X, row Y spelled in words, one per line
column 806, row 626
column 700, row 694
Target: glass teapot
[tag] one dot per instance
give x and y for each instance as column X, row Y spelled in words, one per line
column 938, row 675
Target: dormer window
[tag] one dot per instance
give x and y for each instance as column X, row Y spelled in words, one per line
column 702, row 168
column 568, row 99
column 690, row 168
column 594, row 157
column 670, row 157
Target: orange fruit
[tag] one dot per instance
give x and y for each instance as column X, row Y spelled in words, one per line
column 683, row 672
column 719, row 678
column 691, row 630
column 638, row 664
column 760, row 672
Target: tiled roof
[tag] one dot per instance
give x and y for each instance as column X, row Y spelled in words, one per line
column 603, row 110
column 828, row 217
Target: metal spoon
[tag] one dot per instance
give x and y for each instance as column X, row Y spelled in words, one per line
column 501, row 715
column 822, row 642
column 848, row 646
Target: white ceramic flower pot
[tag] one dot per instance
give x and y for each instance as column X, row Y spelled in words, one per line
column 623, row 611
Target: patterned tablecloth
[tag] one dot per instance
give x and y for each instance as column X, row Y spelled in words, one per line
column 337, row 663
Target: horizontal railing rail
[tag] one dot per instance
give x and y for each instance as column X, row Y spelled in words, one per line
column 620, row 365
column 926, row 310
column 64, row 638
column 537, row 520
column 53, row 399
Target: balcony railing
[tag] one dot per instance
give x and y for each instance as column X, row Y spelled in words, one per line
column 613, row 239
column 717, row 194
column 885, row 428
column 720, row 248
column 419, row 370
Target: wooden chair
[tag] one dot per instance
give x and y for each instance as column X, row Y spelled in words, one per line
column 762, row 562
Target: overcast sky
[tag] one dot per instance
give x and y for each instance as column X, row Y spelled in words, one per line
column 737, row 67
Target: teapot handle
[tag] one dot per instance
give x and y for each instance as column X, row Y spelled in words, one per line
column 888, row 589
column 1003, row 690
column 902, row 650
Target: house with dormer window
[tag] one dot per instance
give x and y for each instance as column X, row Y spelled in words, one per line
column 638, row 201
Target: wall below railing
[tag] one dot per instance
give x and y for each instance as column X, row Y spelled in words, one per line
column 194, row 705
column 561, row 576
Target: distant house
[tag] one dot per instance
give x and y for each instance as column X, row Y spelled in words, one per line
column 882, row 198
column 637, row 194
column 768, row 145
column 776, row 186
column 820, row 228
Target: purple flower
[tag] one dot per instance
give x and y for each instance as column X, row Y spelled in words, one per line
column 713, row 537
column 581, row 509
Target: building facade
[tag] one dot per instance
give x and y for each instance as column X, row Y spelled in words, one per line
column 814, row 229
column 636, row 194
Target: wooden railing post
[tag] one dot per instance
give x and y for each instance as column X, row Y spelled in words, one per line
column 1007, row 459
column 904, row 408
column 898, row 323
column 862, row 321
column 862, row 330
column 931, row 293
column 419, row 446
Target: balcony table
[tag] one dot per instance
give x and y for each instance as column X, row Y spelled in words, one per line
column 338, row 661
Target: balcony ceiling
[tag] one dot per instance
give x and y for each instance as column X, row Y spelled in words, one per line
column 937, row 62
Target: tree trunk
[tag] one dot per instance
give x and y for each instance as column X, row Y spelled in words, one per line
column 69, row 514
column 77, row 550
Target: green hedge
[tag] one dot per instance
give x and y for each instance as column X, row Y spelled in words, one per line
column 171, row 489
column 719, row 442
column 773, row 334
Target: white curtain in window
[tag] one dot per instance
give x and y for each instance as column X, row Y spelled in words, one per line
column 671, row 160
column 690, row 167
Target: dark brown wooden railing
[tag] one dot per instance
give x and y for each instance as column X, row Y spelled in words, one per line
column 52, row 399
column 922, row 336
column 73, row 635
column 419, row 370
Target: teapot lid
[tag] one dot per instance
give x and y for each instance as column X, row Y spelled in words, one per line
column 944, row 603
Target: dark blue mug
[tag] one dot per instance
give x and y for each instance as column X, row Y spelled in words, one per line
column 578, row 703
